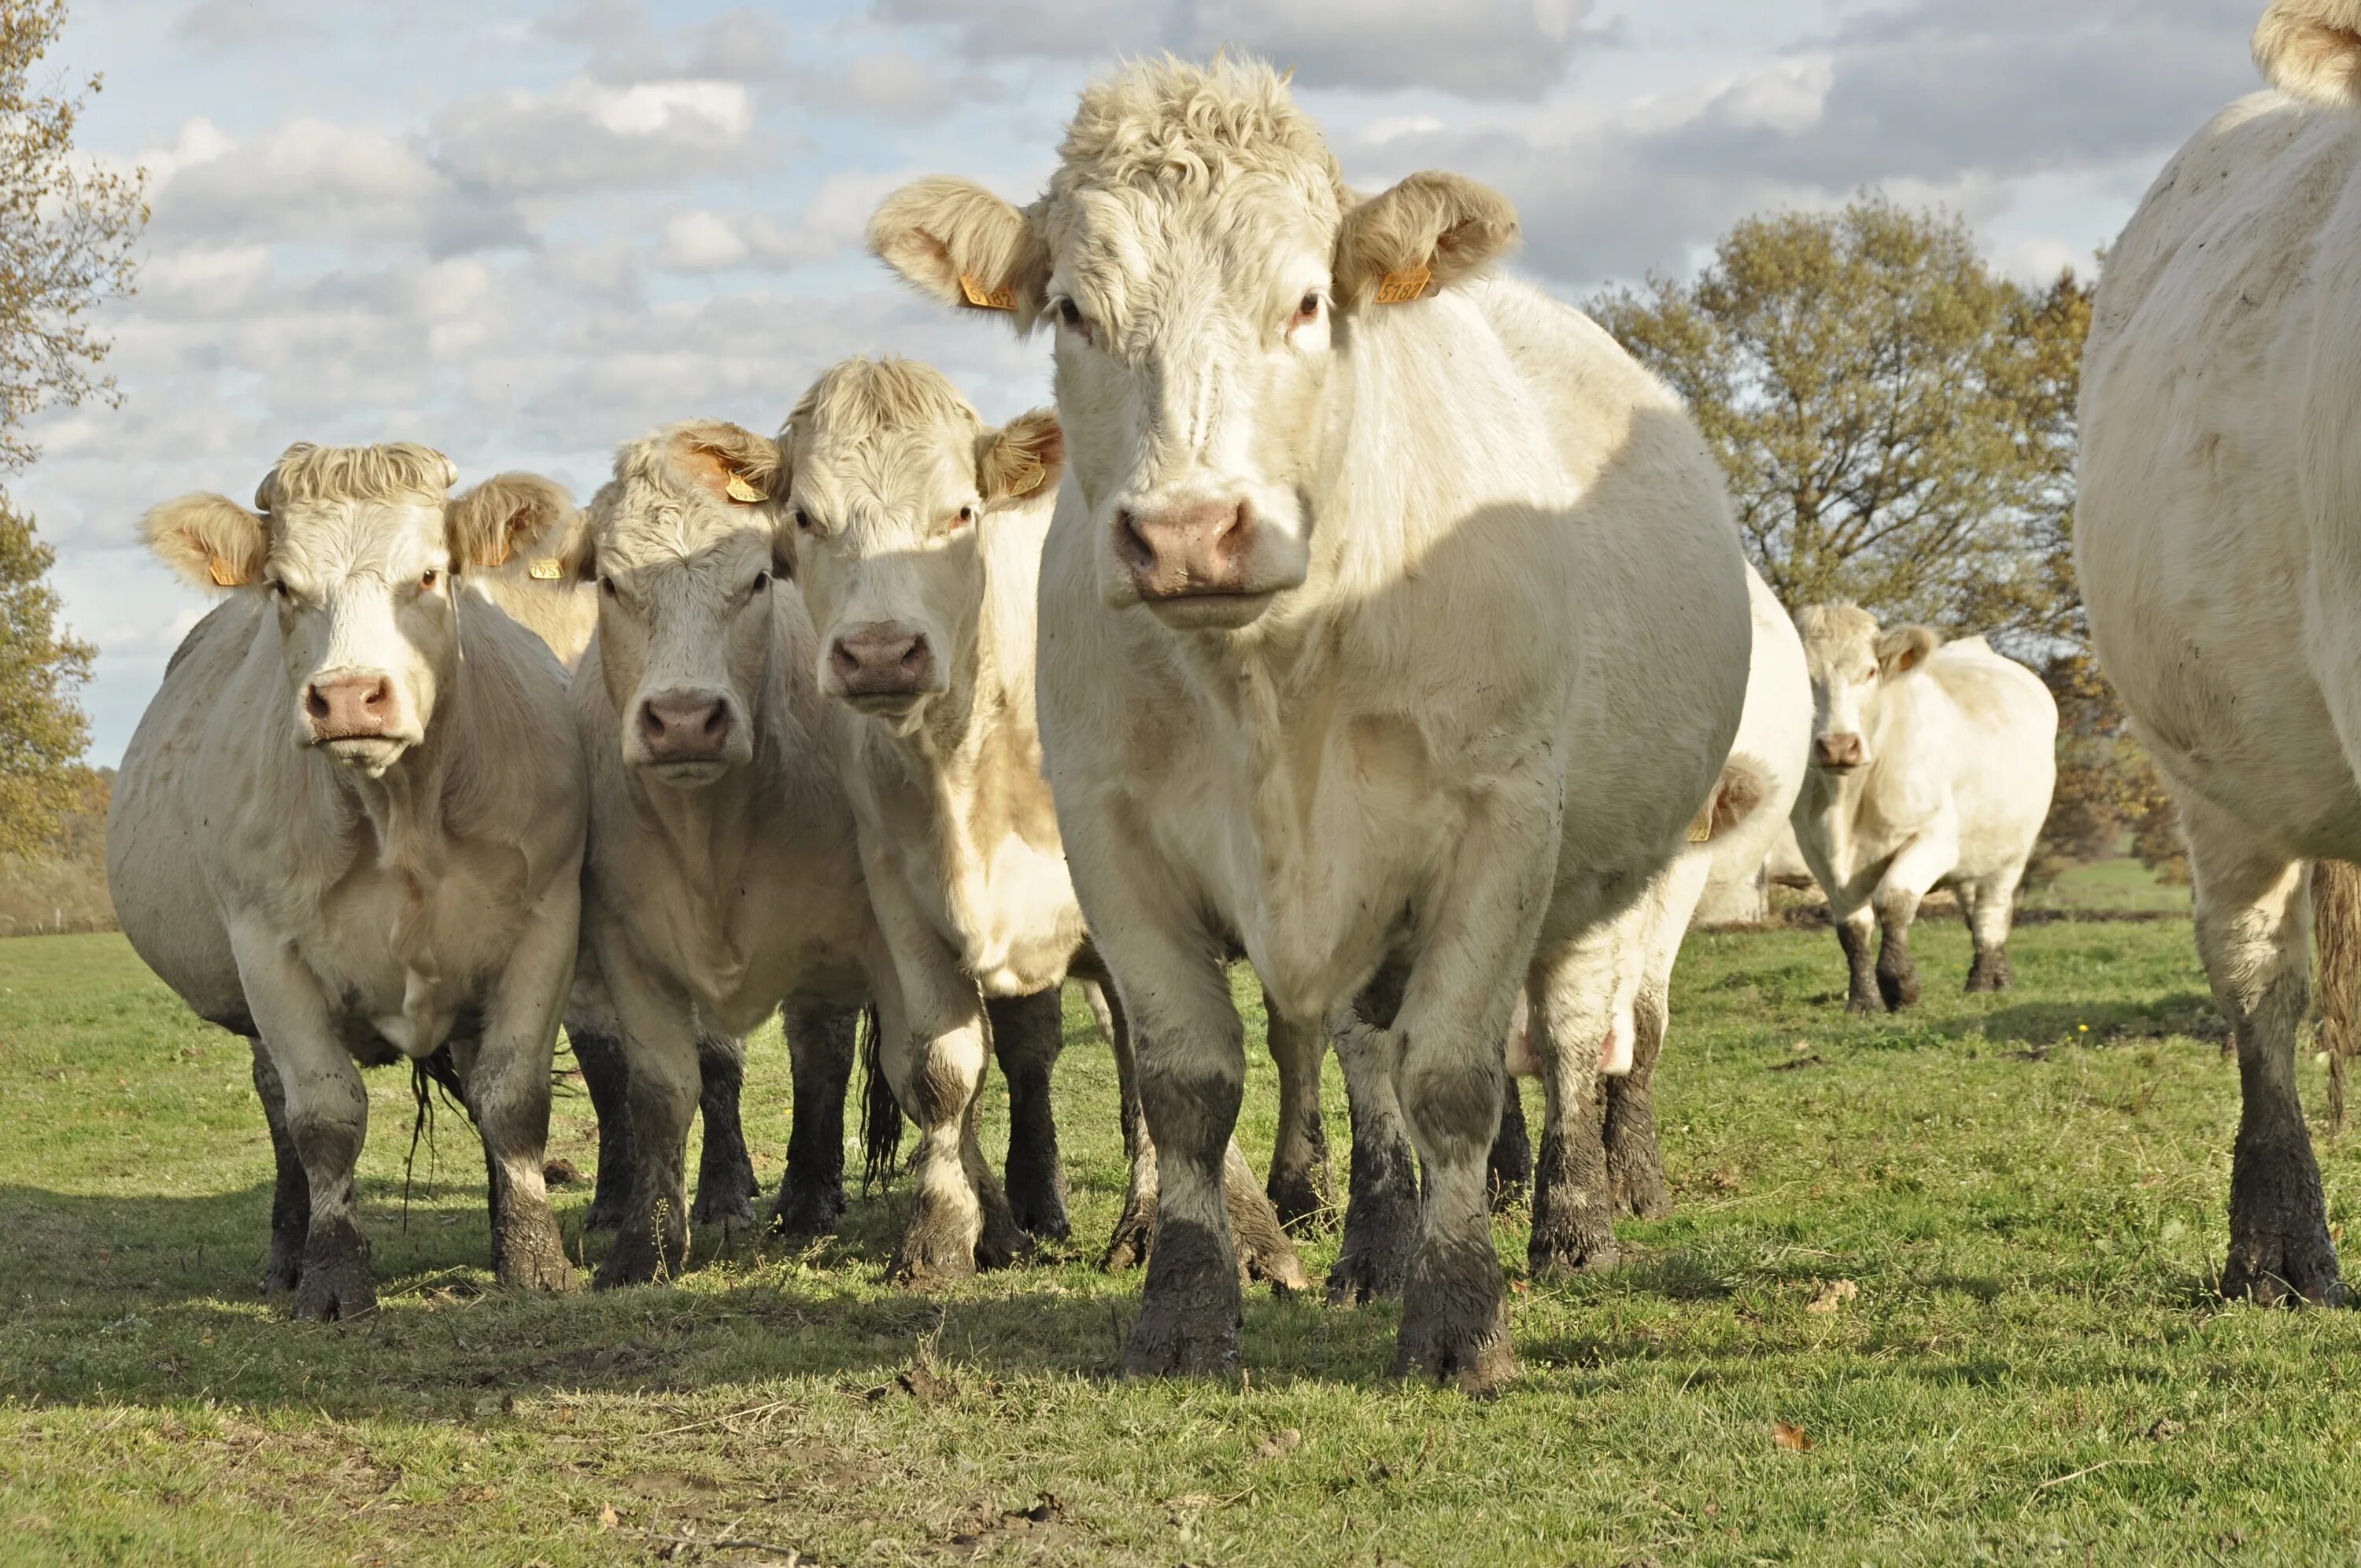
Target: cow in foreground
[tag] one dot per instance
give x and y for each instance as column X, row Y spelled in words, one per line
column 2215, row 540
column 1393, row 630
column 721, row 881
column 349, row 827
column 919, row 548
column 548, row 596
column 1931, row 766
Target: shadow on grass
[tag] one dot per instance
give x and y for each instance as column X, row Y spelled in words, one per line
column 2188, row 1013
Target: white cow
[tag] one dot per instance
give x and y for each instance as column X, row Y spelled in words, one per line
column 1931, row 766
column 349, row 827
column 919, row 550
column 2219, row 488
column 549, row 595
column 722, row 880
column 1391, row 619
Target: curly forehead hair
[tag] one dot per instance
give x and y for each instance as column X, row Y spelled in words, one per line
column 1168, row 123
column 857, row 400
column 1835, row 625
column 395, row 471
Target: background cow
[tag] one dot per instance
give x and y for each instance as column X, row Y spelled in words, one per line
column 919, row 552
column 2220, row 485
column 1393, row 630
column 1931, row 766
column 349, row 827
column 722, row 880
column 548, row 594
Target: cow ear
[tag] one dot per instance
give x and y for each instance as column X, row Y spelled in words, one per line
column 1902, row 648
column 208, row 540
column 1419, row 238
column 727, row 461
column 958, row 242
column 1023, row 459
column 2312, row 50
column 514, row 515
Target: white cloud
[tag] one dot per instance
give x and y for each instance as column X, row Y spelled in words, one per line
column 587, row 134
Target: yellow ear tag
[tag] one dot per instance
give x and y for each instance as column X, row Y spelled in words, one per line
column 547, row 570
column 1401, row 288
column 1027, row 480
column 224, row 574
column 1001, row 299
column 740, row 491
column 1701, row 829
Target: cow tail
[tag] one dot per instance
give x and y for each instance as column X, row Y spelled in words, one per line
column 881, row 1114
column 2336, row 927
column 428, row 1075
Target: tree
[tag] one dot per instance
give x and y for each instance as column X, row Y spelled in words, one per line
column 42, row 731
column 1896, row 418
column 66, row 235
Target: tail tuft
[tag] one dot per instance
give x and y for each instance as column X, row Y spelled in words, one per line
column 2336, row 936
column 881, row 1114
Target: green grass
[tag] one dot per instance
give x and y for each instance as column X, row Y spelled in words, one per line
column 2028, row 1190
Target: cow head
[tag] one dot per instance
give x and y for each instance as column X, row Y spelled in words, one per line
column 1853, row 667
column 359, row 552
column 683, row 543
column 897, row 487
column 2312, row 50
column 1203, row 265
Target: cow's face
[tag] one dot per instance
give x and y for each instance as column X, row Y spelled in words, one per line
column 1854, row 665
column 360, row 555
column 1201, row 267
column 896, row 488
column 684, row 545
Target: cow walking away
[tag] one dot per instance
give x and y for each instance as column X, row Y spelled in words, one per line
column 349, row 827
column 1393, row 630
column 2219, row 494
column 722, row 880
column 1931, row 766
column 919, row 551
column 548, row 594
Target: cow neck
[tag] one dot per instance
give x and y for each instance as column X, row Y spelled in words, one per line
column 407, row 807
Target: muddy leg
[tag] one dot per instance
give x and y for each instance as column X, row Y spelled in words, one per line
column 821, row 1043
column 1635, row 1162
column 1299, row 1185
column 508, row 1094
column 1509, row 1169
column 606, row 1075
column 2253, row 929
column 1897, row 973
column 1027, row 1034
column 652, row 1243
column 1987, row 906
column 1381, row 1211
column 290, row 1196
column 725, row 1173
column 1855, row 934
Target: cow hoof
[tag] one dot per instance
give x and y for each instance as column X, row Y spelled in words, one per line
column 605, row 1212
column 807, row 1214
column 1041, row 1213
column 1455, row 1323
column 1639, row 1190
column 1134, row 1233
column 1897, row 990
column 1864, row 1004
column 932, row 1256
column 285, row 1265
column 1181, row 1342
column 639, row 1258
column 721, row 1208
column 1299, row 1198
column 1555, row 1255
column 333, row 1283
column 1991, row 971
column 531, row 1257
column 2284, row 1271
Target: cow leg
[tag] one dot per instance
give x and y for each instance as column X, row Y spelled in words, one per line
column 290, row 1194
column 1635, row 1161
column 1382, row 1208
column 822, row 1041
column 652, row 1243
column 935, row 1065
column 508, row 1092
column 1856, row 935
column 2253, row 929
column 1264, row 1251
column 725, row 1173
column 606, row 1074
column 1575, row 1017
column 1897, row 972
column 1988, row 905
column 1027, row 1034
column 1299, row 1186
column 1509, row 1169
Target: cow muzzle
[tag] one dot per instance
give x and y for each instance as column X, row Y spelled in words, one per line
column 1195, row 554
column 354, row 718
column 685, row 733
column 1837, row 753
column 882, row 666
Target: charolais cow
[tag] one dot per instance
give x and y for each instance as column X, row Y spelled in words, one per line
column 547, row 594
column 2213, row 537
column 722, row 881
column 918, row 550
column 1393, row 630
column 349, row 827
column 1931, row 766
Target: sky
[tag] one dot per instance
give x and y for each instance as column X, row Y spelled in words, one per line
column 527, row 232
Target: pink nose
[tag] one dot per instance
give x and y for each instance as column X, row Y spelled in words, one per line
column 1176, row 552
column 1837, row 750
column 684, row 727
column 349, row 707
column 882, row 660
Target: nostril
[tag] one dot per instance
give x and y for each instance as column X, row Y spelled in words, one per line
column 717, row 722
column 918, row 654
column 840, row 659
column 314, row 704
column 1130, row 543
column 379, row 694
column 652, row 724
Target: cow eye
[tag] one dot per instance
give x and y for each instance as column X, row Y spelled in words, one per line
column 427, row 579
column 1071, row 314
column 607, row 586
column 279, row 591
column 966, row 516
column 1308, row 308
column 762, row 581
column 803, row 521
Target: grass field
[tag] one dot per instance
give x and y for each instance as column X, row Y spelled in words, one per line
column 2027, row 1189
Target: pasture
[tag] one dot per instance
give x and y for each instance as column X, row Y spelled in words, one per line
column 2025, row 1190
